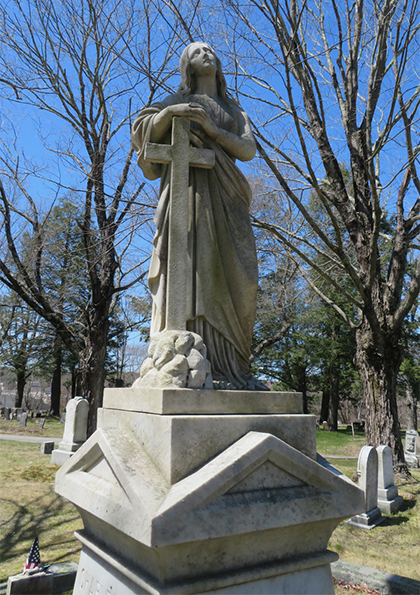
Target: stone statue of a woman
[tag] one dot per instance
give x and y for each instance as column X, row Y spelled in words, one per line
column 223, row 278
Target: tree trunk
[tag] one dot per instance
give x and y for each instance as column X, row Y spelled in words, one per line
column 20, row 387
column 92, row 369
column 378, row 359
column 412, row 390
column 303, row 387
column 325, row 405
column 334, row 401
column 56, row 378
column 74, row 381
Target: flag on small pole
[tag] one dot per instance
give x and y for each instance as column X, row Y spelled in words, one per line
column 34, row 559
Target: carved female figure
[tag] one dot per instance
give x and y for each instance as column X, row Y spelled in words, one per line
column 223, row 278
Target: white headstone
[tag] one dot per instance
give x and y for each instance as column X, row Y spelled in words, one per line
column 412, row 448
column 385, row 467
column 367, row 471
column 388, row 499
column 75, row 430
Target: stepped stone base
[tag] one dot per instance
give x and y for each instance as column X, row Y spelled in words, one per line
column 229, row 498
column 388, row 500
column 367, row 520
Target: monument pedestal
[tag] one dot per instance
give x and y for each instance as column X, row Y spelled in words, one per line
column 199, row 491
column 388, row 499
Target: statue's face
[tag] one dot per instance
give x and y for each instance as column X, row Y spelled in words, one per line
column 202, row 59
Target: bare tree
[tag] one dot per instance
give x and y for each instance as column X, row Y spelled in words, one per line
column 82, row 69
column 335, row 85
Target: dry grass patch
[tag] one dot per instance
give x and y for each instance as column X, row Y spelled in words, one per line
column 27, row 503
column 52, row 428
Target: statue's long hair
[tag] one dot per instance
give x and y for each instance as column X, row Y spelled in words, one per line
column 188, row 84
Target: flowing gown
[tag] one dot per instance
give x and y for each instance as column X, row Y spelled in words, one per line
column 223, row 275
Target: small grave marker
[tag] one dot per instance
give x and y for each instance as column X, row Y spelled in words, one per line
column 367, row 471
column 388, row 499
column 47, row 447
column 75, row 430
column 412, row 448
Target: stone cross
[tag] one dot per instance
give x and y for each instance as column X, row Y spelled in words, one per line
column 181, row 156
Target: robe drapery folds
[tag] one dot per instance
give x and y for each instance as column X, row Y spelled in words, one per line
column 223, row 276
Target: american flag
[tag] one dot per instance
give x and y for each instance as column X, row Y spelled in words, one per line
column 34, row 559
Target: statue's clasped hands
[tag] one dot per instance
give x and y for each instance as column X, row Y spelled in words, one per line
column 196, row 113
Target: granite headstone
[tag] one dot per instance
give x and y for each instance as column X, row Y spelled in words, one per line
column 412, row 448
column 367, row 472
column 75, row 430
column 388, row 499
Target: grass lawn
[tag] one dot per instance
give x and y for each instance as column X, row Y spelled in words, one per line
column 27, row 503
column 393, row 546
column 52, row 428
column 339, row 443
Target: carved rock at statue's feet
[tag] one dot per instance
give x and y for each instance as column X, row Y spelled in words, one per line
column 176, row 359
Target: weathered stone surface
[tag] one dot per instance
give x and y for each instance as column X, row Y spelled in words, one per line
column 180, row 444
column 177, row 359
column 59, row 578
column 174, row 401
column 102, row 572
column 164, row 352
column 36, row 584
column 153, row 489
column 176, row 366
column 203, row 274
column 146, row 366
column 182, row 491
column 47, row 447
column 367, row 471
column 385, row 467
column 75, row 430
column 184, row 341
column 412, row 448
column 373, row 579
column 388, row 499
column 213, row 505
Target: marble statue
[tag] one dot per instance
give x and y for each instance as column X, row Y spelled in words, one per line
column 222, row 276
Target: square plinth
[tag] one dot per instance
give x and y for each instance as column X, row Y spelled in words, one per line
column 180, row 444
column 178, row 401
column 182, row 429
